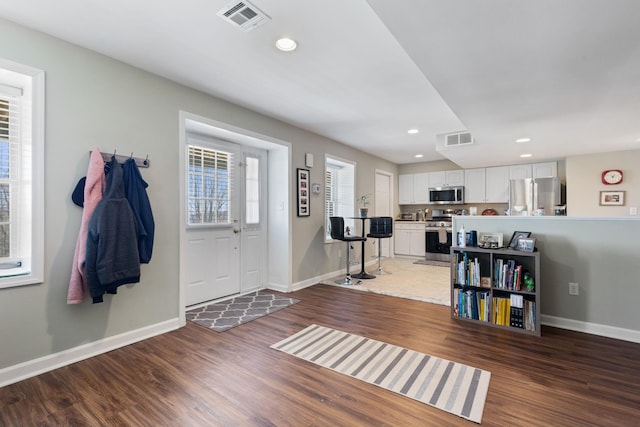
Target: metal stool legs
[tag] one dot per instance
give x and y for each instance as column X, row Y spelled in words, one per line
column 380, row 271
column 347, row 279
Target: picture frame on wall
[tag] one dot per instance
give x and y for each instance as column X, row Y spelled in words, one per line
column 612, row 198
column 304, row 207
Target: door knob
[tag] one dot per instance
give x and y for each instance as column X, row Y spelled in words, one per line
column 236, row 230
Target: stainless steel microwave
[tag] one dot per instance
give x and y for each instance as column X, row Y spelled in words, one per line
column 446, row 195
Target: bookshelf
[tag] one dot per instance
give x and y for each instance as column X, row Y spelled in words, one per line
column 489, row 287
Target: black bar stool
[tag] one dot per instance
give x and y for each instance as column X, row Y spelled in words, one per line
column 337, row 233
column 380, row 228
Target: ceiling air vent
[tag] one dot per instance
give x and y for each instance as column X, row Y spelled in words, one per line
column 244, row 15
column 458, row 139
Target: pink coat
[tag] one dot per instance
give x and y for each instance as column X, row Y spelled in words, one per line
column 93, row 190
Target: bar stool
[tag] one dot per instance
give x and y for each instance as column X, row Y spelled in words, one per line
column 380, row 228
column 337, row 233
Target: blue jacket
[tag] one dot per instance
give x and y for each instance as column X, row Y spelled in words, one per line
column 112, row 248
column 136, row 191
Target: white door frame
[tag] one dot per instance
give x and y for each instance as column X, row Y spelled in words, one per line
column 279, row 228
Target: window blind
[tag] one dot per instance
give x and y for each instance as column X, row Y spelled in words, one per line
column 209, row 175
column 10, row 106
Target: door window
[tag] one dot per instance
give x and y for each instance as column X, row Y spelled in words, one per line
column 209, row 186
column 252, row 190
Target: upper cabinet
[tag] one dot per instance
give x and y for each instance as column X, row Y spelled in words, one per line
column 474, row 185
column 545, row 170
column 412, row 189
column 520, row 171
column 497, row 184
column 446, row 178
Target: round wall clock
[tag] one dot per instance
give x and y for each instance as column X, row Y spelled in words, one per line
column 612, row 177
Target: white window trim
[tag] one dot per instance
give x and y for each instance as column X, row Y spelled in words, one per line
column 36, row 274
column 350, row 222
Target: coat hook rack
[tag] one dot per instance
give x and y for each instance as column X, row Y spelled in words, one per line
column 140, row 161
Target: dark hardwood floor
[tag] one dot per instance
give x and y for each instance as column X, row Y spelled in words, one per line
column 197, row 377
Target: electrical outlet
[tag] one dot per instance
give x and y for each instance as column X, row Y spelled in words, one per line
column 633, row 210
column 574, row 288
column 339, row 253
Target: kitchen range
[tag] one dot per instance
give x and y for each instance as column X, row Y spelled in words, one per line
column 438, row 235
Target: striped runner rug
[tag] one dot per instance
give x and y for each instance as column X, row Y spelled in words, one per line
column 450, row 386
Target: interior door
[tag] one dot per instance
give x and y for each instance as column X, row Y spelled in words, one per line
column 212, row 246
column 383, row 201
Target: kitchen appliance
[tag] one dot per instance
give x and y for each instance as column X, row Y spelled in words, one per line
column 534, row 196
column 560, row 210
column 446, row 195
column 407, row 216
column 438, row 235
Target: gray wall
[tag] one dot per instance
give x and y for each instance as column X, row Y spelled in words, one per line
column 92, row 100
column 601, row 255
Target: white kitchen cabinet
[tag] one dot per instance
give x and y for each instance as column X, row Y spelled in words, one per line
column 520, row 171
column 409, row 238
column 545, row 170
column 412, row 189
column 405, row 189
column 474, row 185
column 446, row 178
column 497, row 184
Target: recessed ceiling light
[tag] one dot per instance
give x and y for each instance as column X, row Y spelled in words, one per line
column 521, row 140
column 525, row 155
column 286, row 44
column 418, row 156
column 413, row 131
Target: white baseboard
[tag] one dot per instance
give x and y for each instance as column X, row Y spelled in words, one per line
column 277, row 287
column 592, row 328
column 31, row 368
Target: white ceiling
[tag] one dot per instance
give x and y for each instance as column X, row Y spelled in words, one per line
column 564, row 73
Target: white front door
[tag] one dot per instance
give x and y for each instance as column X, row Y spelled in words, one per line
column 212, row 233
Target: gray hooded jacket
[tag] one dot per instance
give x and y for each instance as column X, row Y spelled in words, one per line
column 112, row 242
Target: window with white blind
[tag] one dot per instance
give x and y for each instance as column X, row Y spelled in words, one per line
column 21, row 175
column 209, row 181
column 339, row 190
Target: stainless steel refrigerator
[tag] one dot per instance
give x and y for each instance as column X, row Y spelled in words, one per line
column 528, row 196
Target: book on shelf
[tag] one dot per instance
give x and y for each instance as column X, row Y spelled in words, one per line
column 472, row 304
column 516, row 312
column 508, row 275
column 529, row 315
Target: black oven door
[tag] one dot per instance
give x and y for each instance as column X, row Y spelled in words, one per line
column 438, row 243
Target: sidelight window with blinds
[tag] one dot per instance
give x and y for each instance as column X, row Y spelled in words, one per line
column 339, row 190
column 21, row 175
column 209, row 181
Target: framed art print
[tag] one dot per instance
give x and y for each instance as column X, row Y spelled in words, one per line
column 303, row 192
column 612, row 198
